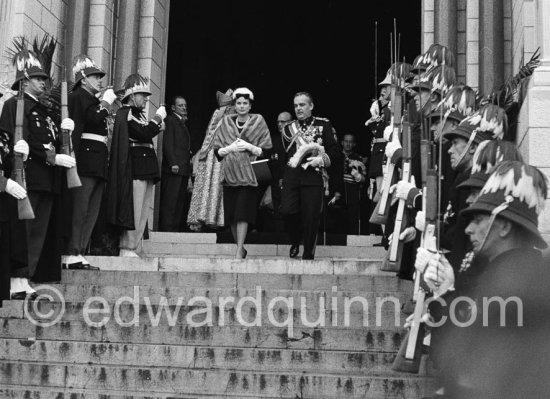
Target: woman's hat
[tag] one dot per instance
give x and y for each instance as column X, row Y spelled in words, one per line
column 224, row 99
column 244, row 92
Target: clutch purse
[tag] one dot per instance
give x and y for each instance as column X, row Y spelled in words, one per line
column 262, row 171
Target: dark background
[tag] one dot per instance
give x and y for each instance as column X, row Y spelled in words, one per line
column 276, row 48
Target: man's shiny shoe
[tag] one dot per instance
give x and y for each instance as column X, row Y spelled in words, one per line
column 81, row 266
column 22, row 295
column 294, row 251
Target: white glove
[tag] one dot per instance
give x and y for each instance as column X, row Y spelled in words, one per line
column 375, row 109
column 229, row 149
column 67, row 124
column 109, row 96
column 356, row 175
column 246, row 146
column 426, row 317
column 161, row 112
column 408, row 234
column 439, row 275
column 315, row 162
column 388, row 131
column 423, row 256
column 420, row 221
column 65, row 160
column 15, row 190
column 402, row 188
column 391, row 147
column 22, row 148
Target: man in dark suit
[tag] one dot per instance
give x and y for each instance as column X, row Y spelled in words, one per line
column 176, row 167
column 304, row 184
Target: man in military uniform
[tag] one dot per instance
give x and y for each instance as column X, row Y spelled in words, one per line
column 42, row 172
column 133, row 165
column 310, row 148
column 354, row 177
column 9, row 192
column 503, row 350
column 90, row 143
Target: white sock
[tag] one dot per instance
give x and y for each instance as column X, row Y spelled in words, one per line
column 26, row 286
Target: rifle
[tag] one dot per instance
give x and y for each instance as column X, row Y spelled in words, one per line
column 24, row 207
column 410, row 352
column 380, row 214
column 66, row 142
column 393, row 261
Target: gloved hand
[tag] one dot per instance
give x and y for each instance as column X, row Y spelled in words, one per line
column 408, row 234
column 22, row 148
column 439, row 275
column 402, row 188
column 65, row 161
column 161, row 112
column 423, row 256
column 233, row 147
column 356, row 175
column 335, row 199
column 375, row 109
column 15, row 190
column 420, row 221
column 175, row 169
column 109, row 96
column 391, row 147
column 388, row 131
column 246, row 146
column 426, row 317
column 67, row 124
column 315, row 162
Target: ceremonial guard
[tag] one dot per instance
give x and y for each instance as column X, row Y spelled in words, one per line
column 41, row 168
column 90, row 145
column 133, row 165
column 310, row 147
column 355, row 173
column 500, row 351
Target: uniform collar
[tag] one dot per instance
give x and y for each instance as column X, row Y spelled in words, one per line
column 306, row 121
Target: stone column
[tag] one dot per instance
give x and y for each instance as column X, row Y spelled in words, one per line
column 78, row 16
column 127, row 40
column 100, row 43
column 428, row 34
column 7, row 13
column 491, row 45
column 534, row 121
column 445, row 23
column 472, row 43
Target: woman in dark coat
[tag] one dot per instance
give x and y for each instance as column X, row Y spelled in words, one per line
column 240, row 140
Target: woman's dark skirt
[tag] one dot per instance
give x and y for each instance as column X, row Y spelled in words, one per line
column 239, row 204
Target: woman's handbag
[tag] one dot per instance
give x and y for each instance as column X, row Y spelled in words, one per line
column 262, row 171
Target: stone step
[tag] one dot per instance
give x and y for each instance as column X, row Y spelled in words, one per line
column 386, row 282
column 372, row 363
column 258, row 250
column 213, row 382
column 227, row 265
column 211, row 238
column 304, row 314
column 266, row 337
column 175, row 294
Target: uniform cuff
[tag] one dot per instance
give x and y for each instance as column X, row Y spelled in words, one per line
column 326, row 160
column 157, row 119
column 414, row 193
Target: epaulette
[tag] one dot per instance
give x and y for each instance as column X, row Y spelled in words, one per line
column 322, row 119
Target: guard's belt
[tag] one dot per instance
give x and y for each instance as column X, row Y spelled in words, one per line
column 379, row 140
column 94, row 137
column 147, row 145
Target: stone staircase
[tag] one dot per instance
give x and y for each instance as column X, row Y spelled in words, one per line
column 166, row 326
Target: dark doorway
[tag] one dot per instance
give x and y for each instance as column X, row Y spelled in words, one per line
column 277, row 48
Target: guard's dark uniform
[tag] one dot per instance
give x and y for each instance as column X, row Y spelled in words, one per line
column 378, row 143
column 176, row 150
column 90, row 143
column 42, row 176
column 5, row 264
column 352, row 194
column 302, row 195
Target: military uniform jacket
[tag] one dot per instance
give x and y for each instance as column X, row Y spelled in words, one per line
column 144, row 158
column 176, row 146
column 89, row 116
column 312, row 130
column 41, row 133
column 5, row 171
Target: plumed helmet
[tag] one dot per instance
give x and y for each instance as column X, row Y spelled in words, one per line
column 514, row 191
column 135, row 83
column 459, row 102
column 84, row 66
